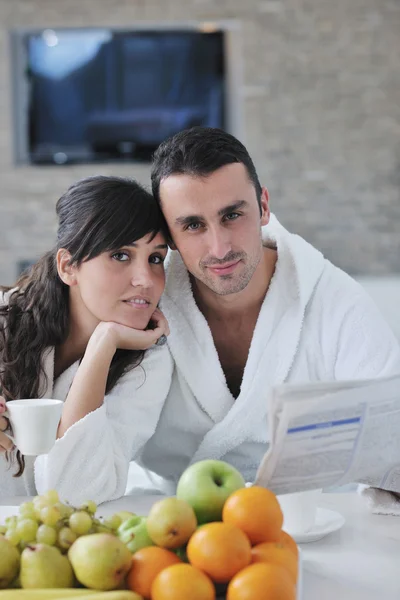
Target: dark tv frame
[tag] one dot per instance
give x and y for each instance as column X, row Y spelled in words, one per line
column 19, row 87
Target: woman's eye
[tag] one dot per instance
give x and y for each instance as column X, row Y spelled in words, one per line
column 193, row 226
column 120, row 256
column 157, row 259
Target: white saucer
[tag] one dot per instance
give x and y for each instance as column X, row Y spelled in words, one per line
column 327, row 521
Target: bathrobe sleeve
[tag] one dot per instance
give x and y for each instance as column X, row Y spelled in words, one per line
column 366, row 346
column 91, row 460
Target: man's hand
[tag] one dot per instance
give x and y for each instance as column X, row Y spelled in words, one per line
column 5, row 443
column 127, row 338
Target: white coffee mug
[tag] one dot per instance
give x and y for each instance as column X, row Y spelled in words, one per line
column 34, row 424
column 299, row 510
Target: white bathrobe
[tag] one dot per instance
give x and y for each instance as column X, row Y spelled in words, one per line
column 316, row 323
column 91, row 460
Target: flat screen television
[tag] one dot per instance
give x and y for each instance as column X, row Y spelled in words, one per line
column 96, row 95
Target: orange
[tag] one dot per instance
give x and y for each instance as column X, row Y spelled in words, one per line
column 276, row 554
column 256, row 511
column 182, row 582
column 262, row 581
column 220, row 550
column 147, row 563
column 289, row 542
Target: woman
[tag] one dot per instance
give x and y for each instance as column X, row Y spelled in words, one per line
column 76, row 328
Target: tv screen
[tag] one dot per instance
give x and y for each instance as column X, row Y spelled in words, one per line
column 102, row 95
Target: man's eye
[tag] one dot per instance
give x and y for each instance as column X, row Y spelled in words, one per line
column 231, row 216
column 120, row 256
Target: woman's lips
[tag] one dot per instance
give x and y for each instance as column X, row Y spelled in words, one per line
column 136, row 304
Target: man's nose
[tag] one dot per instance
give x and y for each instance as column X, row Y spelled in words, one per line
column 219, row 243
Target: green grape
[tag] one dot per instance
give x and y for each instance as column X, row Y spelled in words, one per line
column 66, row 538
column 89, row 507
column 65, row 510
column 102, row 529
column 27, row 510
column 46, row 535
column 27, row 529
column 51, row 497
column 50, row 515
column 39, row 503
column 3, row 529
column 80, row 522
column 13, row 537
column 112, row 522
column 11, row 521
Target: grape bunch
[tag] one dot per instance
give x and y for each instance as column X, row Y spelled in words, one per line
column 47, row 520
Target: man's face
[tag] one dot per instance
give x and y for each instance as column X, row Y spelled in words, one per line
column 215, row 224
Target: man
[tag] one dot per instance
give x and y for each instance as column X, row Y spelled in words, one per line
column 249, row 306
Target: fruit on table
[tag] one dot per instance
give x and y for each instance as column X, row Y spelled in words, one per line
column 256, row 511
column 124, row 515
column 9, row 562
column 277, row 554
column 65, row 538
column 133, row 533
column 220, row 550
column 171, row 522
column 182, row 582
column 46, row 520
column 206, row 485
column 261, row 580
column 147, row 563
column 44, row 566
column 286, row 540
column 124, row 554
column 75, row 594
column 100, row 561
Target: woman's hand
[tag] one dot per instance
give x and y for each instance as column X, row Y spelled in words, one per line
column 5, row 443
column 127, row 338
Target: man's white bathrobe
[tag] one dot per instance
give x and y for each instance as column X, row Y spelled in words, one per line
column 316, row 323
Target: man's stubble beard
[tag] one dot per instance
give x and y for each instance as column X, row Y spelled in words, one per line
column 237, row 283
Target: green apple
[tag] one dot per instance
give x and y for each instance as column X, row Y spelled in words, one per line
column 206, row 485
column 133, row 533
column 171, row 522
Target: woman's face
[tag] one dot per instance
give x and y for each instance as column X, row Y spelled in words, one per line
column 124, row 286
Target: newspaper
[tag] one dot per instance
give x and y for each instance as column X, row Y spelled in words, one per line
column 330, row 434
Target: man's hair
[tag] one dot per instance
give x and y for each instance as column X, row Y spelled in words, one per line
column 200, row 151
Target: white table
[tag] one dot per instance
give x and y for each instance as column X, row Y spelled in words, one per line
column 359, row 562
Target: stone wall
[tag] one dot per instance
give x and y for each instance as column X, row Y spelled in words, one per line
column 321, row 114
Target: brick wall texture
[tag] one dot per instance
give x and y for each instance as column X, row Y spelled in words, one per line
column 320, row 99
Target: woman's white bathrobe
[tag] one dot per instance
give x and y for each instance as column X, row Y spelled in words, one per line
column 91, row 460
column 316, row 323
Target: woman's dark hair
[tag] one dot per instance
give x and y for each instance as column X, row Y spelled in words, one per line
column 95, row 215
column 200, row 151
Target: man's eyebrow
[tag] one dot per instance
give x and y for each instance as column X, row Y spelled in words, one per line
column 187, row 220
column 232, row 207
